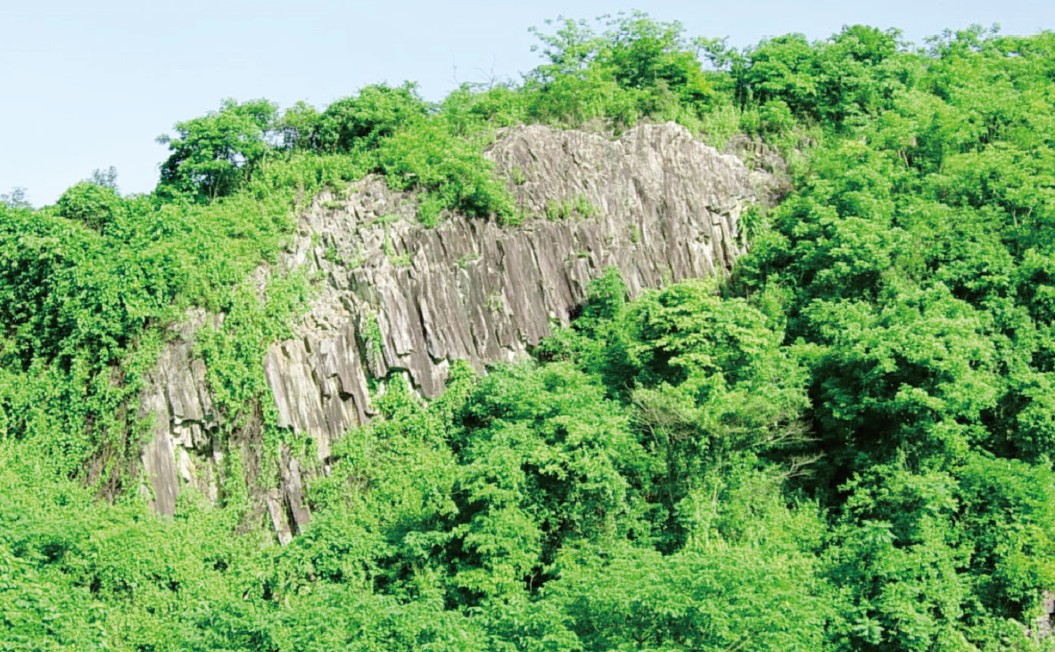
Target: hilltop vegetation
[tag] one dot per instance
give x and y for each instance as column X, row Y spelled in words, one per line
column 847, row 445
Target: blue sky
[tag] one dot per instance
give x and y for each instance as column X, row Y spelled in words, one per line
column 90, row 84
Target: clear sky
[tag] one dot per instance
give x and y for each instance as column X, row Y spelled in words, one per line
column 91, row 83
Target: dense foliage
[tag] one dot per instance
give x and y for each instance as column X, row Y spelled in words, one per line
column 847, row 445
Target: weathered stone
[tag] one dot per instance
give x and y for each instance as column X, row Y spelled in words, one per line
column 396, row 297
column 276, row 510
column 1043, row 625
column 176, row 401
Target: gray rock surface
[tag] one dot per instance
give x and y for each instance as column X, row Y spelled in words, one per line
column 176, row 405
column 397, row 298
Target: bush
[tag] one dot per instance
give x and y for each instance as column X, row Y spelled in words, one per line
column 427, row 156
column 361, row 122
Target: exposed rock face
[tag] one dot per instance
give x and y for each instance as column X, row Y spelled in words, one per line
column 396, row 297
column 1044, row 623
column 177, row 404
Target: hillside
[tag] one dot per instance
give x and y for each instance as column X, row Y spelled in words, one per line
column 669, row 346
column 656, row 205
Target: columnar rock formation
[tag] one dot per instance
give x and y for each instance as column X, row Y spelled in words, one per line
column 396, row 297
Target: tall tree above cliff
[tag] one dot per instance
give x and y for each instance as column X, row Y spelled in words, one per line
column 214, row 154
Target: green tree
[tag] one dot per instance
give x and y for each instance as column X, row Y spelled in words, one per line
column 213, row 156
column 362, row 121
column 96, row 205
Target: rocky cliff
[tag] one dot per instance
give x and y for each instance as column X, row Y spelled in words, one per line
column 396, row 297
